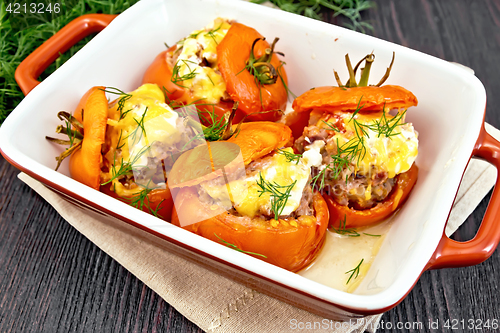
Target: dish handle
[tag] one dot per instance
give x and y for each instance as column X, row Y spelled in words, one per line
column 30, row 68
column 450, row 253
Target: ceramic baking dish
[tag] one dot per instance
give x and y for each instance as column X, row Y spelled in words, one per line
column 449, row 118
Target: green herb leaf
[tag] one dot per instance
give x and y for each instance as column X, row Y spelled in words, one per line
column 279, row 194
column 290, row 157
column 16, row 45
column 349, row 9
column 234, row 247
column 354, row 272
column 364, row 233
column 351, row 232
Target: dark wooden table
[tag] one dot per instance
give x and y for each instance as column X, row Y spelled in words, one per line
column 52, row 279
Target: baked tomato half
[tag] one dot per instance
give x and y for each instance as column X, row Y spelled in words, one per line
column 348, row 217
column 220, row 65
column 108, row 140
column 92, row 114
column 368, row 154
column 269, row 211
column 288, row 243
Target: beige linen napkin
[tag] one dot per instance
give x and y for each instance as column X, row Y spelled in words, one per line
column 213, row 302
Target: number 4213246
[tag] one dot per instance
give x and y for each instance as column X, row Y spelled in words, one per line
column 33, row 8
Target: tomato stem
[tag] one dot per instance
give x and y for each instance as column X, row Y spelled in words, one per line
column 365, row 72
column 387, row 72
column 228, row 131
column 261, row 68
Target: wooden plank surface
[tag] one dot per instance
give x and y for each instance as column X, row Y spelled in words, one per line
column 52, row 279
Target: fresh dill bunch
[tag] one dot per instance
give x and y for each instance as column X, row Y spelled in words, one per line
column 350, row 9
column 17, row 44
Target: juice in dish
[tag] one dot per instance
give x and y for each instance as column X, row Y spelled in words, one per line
column 346, row 257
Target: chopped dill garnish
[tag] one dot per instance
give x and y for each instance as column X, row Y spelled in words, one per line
column 352, row 150
column 234, row 247
column 331, row 126
column 140, row 125
column 125, row 167
column 176, row 77
column 364, row 233
column 124, row 97
column 386, row 127
column 210, row 33
column 354, row 272
column 290, row 157
column 351, row 232
column 279, row 194
column 141, row 200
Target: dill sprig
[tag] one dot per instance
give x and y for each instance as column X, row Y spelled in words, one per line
column 342, row 230
column 290, row 157
column 354, row 272
column 234, row 247
column 211, row 32
column 216, row 129
column 331, row 126
column 176, row 77
column 125, row 167
column 386, row 127
column 140, row 125
column 352, row 150
column 124, row 97
column 141, row 200
column 350, row 9
column 350, row 232
column 279, row 194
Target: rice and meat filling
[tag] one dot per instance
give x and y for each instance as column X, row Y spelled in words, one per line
column 250, row 196
column 368, row 175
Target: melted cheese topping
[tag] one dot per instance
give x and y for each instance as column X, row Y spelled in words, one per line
column 247, row 196
column 148, row 119
column 204, row 81
column 143, row 120
column 393, row 154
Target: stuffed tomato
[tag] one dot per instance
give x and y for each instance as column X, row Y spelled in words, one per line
column 224, row 63
column 271, row 212
column 368, row 154
column 122, row 147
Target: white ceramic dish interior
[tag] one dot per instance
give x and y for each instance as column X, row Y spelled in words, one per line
column 448, row 118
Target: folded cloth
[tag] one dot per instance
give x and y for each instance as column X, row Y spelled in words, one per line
column 213, row 302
